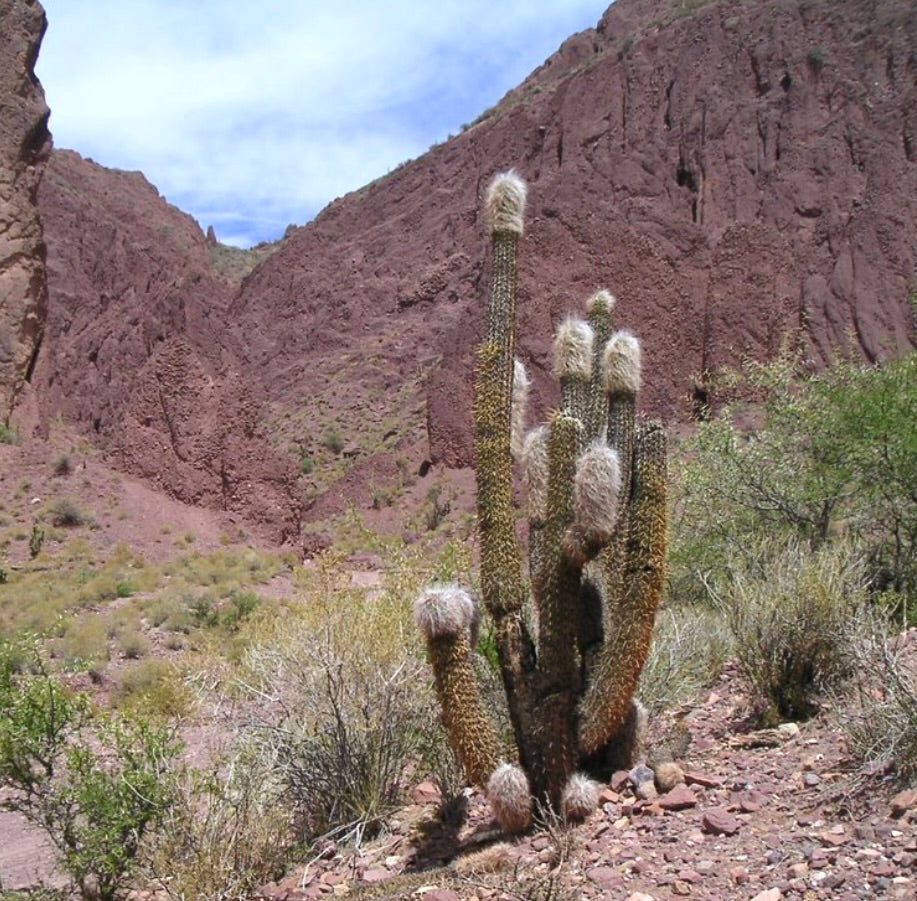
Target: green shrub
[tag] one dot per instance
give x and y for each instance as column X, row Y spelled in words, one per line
column 94, row 784
column 791, row 616
column 436, row 509
column 154, row 686
column 134, row 645
column 835, row 457
column 333, row 441
column 241, row 605
column 36, row 541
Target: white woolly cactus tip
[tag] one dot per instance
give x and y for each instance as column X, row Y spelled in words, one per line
column 442, row 610
column 573, row 349
column 596, row 487
column 506, row 202
column 521, row 385
column 534, row 460
column 580, row 797
column 602, row 302
column 510, row 797
column 621, row 363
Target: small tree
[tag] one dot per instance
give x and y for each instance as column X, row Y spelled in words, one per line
column 835, row 456
column 95, row 785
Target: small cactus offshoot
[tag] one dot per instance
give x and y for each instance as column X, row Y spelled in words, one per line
column 572, row 614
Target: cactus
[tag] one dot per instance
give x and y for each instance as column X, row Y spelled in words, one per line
column 573, row 627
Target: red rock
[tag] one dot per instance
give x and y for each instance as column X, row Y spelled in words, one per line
column 608, row 796
column 753, row 239
column 441, row 894
column 679, row 798
column 24, row 147
column 770, row 894
column 903, row 802
column 693, row 778
column 619, row 780
column 606, row 878
column 426, row 793
column 718, row 821
column 739, row 875
column 833, row 839
column 376, row 874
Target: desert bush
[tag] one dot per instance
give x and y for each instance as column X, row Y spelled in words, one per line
column 36, row 541
column 226, row 833
column 790, row 617
column 877, row 711
column 834, row 458
column 436, row 508
column 65, row 513
column 82, row 644
column 134, row 644
column 94, row 784
column 333, row 441
column 155, row 687
column 690, row 647
column 343, row 700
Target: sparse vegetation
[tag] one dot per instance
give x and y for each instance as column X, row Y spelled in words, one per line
column 333, row 441
column 67, row 514
column 878, row 712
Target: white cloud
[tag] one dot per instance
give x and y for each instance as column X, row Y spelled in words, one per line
column 258, row 115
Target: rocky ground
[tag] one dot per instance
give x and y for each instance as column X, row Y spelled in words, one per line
column 761, row 814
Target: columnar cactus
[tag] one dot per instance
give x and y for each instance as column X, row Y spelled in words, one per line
column 573, row 627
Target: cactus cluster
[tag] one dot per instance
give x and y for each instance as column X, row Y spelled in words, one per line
column 572, row 623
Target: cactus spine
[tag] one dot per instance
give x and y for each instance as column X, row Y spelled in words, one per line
column 573, row 629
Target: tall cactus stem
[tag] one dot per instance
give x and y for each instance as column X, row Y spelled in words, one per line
column 448, row 618
column 607, row 701
column 599, row 307
column 573, row 358
column 559, row 623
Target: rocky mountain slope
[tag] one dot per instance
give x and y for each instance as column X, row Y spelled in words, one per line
column 738, row 173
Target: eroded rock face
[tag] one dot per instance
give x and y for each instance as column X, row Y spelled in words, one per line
column 24, row 147
column 137, row 352
column 739, row 174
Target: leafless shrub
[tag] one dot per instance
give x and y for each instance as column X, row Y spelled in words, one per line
column 344, row 705
column 790, row 618
column 879, row 705
column 690, row 647
column 227, row 833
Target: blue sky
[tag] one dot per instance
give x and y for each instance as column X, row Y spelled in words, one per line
column 251, row 116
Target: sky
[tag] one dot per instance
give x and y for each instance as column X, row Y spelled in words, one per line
column 254, row 114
